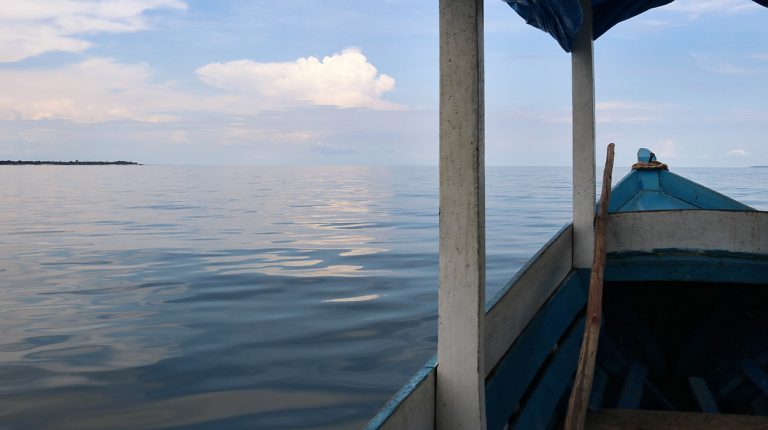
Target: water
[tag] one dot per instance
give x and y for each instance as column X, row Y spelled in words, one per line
column 137, row 297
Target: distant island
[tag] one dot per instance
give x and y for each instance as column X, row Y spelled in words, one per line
column 67, row 163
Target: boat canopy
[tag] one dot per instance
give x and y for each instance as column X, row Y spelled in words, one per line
column 562, row 18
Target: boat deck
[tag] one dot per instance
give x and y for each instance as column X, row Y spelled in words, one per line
column 627, row 419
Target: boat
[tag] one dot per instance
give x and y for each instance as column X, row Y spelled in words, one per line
column 682, row 341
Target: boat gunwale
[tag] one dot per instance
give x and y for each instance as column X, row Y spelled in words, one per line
column 390, row 409
column 525, row 268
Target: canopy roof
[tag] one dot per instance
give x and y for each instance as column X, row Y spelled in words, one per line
column 562, row 18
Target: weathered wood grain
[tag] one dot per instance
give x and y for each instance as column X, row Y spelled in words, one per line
column 582, row 385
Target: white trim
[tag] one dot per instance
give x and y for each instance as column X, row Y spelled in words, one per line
column 701, row 230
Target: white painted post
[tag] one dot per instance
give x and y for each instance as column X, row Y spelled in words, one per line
column 583, row 99
column 460, row 382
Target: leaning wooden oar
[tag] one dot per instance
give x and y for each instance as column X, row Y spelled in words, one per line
column 582, row 384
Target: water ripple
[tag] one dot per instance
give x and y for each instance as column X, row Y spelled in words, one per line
column 228, row 297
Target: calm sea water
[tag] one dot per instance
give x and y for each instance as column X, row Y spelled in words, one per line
column 143, row 297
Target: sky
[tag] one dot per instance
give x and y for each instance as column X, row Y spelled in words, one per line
column 256, row 82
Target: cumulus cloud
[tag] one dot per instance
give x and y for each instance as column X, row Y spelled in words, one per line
column 32, row 27
column 101, row 90
column 345, row 80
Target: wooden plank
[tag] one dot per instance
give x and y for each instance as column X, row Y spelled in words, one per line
column 412, row 408
column 523, row 296
column 755, row 374
column 599, row 386
column 655, row 393
column 705, row 230
column 460, row 382
column 512, row 377
column 695, row 194
column 760, row 405
column 624, row 190
column 539, row 409
column 609, row 356
column 583, row 152
column 674, row 265
column 582, row 386
column 633, row 387
column 615, row 419
column 703, row 395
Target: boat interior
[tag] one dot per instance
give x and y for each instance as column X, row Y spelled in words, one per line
column 682, row 346
column 683, row 328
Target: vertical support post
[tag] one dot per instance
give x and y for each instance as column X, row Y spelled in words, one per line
column 460, row 379
column 583, row 99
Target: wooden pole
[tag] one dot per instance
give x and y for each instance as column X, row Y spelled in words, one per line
column 460, row 382
column 583, row 111
column 582, row 384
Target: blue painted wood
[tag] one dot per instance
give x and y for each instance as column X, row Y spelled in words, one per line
column 760, row 405
column 633, row 387
column 599, row 385
column 755, row 374
column 654, row 392
column 401, row 395
column 509, row 381
column 703, row 395
column 697, row 195
column 497, row 298
column 730, row 385
column 649, row 180
column 685, row 265
column 762, row 358
column 648, row 200
column 623, row 191
column 643, row 190
column 539, row 409
column 644, row 155
column 610, row 357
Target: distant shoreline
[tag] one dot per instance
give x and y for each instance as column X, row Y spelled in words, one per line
column 68, row 163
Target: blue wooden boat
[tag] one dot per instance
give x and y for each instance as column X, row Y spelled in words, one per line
column 684, row 332
column 685, row 320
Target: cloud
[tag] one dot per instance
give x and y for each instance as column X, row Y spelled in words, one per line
column 627, row 112
column 92, row 91
column 179, row 136
column 345, row 80
column 101, row 90
column 668, row 150
column 737, row 153
column 33, row 27
column 696, row 8
column 244, row 134
column 744, row 115
column 658, row 23
column 721, row 66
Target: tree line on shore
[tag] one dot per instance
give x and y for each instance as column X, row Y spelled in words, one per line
column 66, row 163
